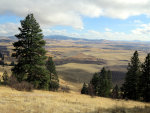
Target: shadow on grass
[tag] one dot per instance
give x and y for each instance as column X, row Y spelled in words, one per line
column 146, row 109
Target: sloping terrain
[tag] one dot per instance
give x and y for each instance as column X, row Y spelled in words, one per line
column 37, row 101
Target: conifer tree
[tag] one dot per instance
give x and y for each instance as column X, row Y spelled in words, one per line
column 102, row 83
column 30, row 53
column 51, row 66
column 145, row 80
column 109, row 78
column 130, row 86
column 84, row 89
column 115, row 92
column 95, row 82
column 54, row 81
column 5, row 77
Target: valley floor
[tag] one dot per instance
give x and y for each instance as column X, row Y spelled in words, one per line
column 38, row 101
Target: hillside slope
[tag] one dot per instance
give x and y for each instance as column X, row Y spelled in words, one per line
column 56, row 102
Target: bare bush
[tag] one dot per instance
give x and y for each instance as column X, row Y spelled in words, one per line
column 21, row 86
column 65, row 89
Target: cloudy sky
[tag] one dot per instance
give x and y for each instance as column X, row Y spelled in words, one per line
column 93, row 19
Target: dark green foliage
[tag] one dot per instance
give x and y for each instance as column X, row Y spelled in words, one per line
column 130, row 87
column 84, row 89
column 115, row 92
column 145, row 80
column 95, row 82
column 54, row 81
column 5, row 78
column 102, row 83
column 51, row 66
column 30, row 53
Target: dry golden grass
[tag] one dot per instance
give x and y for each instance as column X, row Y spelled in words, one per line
column 91, row 68
column 12, row 101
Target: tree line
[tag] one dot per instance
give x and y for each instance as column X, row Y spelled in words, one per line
column 137, row 80
column 135, row 87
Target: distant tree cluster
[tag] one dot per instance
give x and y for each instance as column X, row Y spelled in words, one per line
column 135, row 87
column 100, row 84
column 30, row 53
column 137, row 80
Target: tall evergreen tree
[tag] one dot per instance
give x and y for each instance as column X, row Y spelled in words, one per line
column 51, row 66
column 54, row 81
column 84, row 89
column 95, row 82
column 102, row 83
column 30, row 53
column 130, row 86
column 104, row 86
column 145, row 80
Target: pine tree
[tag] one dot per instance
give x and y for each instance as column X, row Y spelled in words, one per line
column 54, row 81
column 130, row 87
column 104, row 86
column 30, row 53
column 95, row 82
column 145, row 80
column 109, row 78
column 51, row 66
column 84, row 89
column 102, row 83
column 115, row 92
column 5, row 77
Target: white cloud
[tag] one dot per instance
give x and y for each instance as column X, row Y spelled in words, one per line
column 137, row 21
column 8, row 29
column 107, row 30
column 141, row 33
column 69, row 12
column 144, row 29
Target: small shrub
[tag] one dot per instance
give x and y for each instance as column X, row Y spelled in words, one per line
column 53, row 86
column 65, row 89
column 91, row 90
column 12, row 81
column 5, row 78
column 21, row 86
column 24, row 86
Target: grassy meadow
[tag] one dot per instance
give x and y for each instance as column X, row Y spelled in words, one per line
column 38, row 101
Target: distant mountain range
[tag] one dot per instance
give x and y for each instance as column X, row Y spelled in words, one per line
column 62, row 37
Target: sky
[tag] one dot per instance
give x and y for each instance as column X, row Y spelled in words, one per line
column 92, row 19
